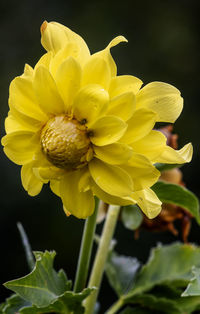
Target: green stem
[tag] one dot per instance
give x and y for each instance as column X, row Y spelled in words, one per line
column 115, row 307
column 101, row 256
column 85, row 251
column 27, row 248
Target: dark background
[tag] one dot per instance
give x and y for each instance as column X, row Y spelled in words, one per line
column 163, row 45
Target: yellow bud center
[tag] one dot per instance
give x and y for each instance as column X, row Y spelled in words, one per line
column 65, row 142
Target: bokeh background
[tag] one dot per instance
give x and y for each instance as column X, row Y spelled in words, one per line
column 163, row 45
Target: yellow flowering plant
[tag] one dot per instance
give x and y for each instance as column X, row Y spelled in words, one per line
column 88, row 132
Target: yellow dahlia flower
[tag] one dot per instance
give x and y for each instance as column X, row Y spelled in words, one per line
column 77, row 125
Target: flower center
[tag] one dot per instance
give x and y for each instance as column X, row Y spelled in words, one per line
column 65, row 143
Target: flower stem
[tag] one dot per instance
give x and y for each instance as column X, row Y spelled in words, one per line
column 115, row 307
column 101, row 256
column 27, row 248
column 85, row 251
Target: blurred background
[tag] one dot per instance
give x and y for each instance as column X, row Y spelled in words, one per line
column 163, row 45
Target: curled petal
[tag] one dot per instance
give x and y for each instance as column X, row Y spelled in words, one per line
column 106, row 55
column 162, row 98
column 172, row 156
column 55, row 36
column 148, row 202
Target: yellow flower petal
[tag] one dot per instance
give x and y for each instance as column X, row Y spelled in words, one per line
column 45, row 60
column 28, row 71
column 55, row 36
column 142, row 172
column 106, row 55
column 107, row 130
column 139, row 125
column 172, row 156
column 79, row 204
column 96, row 71
column 22, row 98
column 152, row 145
column 68, row 78
column 48, row 173
column 18, row 157
column 90, row 103
column 70, row 50
column 46, row 92
column 20, row 146
column 111, row 199
column 26, row 122
column 122, row 106
column 123, row 84
column 13, row 125
column 55, row 187
column 115, row 154
column 112, row 179
column 148, row 202
column 29, row 181
column 85, row 180
column 162, row 98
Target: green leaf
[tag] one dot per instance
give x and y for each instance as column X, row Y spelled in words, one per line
column 43, row 285
column 152, row 302
column 136, row 310
column 188, row 304
column 67, row 303
column 131, row 217
column 178, row 195
column 167, row 264
column 163, row 167
column 121, row 271
column 13, row 304
column 193, row 288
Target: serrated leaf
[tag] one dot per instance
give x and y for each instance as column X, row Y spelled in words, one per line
column 121, row 271
column 163, row 167
column 178, row 195
column 43, row 285
column 67, row 303
column 131, row 217
column 167, row 264
column 13, row 304
column 193, row 288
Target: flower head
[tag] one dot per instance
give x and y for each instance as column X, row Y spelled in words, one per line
column 76, row 124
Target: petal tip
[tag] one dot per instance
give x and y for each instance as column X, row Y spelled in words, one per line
column 43, row 26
